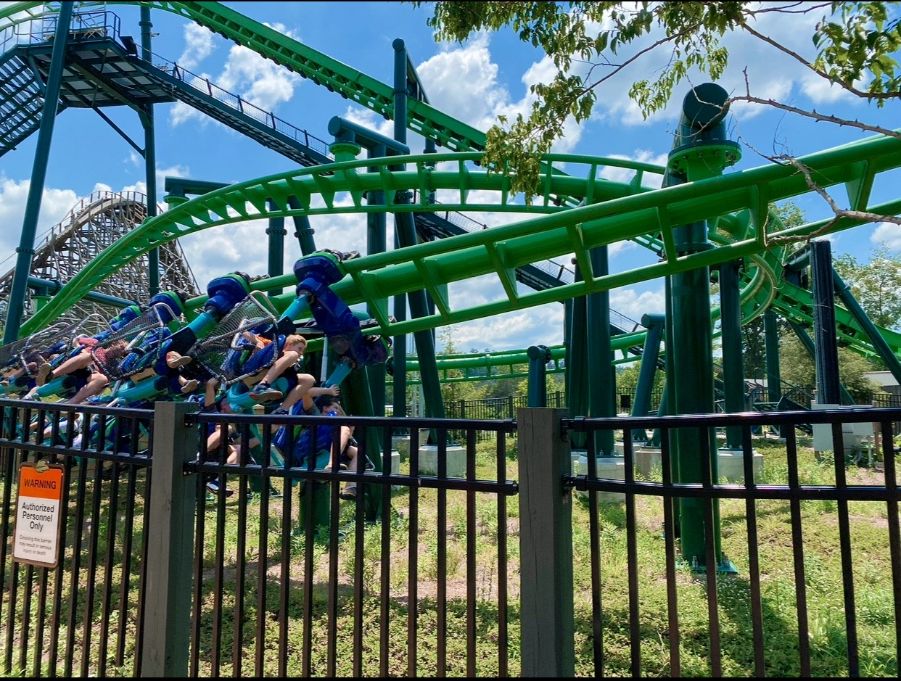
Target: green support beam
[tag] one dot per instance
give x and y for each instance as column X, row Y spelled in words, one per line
column 147, row 121
column 733, row 372
column 773, row 372
column 16, row 302
column 700, row 151
column 878, row 342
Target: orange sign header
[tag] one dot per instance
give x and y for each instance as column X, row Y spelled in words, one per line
column 46, row 485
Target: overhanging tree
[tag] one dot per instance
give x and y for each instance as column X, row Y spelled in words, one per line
column 853, row 45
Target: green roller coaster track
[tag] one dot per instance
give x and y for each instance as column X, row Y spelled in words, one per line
column 573, row 213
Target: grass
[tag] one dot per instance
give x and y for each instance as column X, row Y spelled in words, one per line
column 283, row 631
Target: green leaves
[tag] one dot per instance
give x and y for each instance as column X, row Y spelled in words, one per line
column 587, row 43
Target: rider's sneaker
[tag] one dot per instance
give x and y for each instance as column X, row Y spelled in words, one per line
column 213, row 487
column 263, row 391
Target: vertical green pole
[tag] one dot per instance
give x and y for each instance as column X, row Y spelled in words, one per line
column 876, row 339
column 826, row 355
column 773, row 373
column 567, row 352
column 276, row 232
column 303, row 232
column 808, row 344
column 375, row 243
column 599, row 355
column 654, row 323
column 38, row 175
column 153, row 257
column 700, row 150
column 399, row 346
column 539, row 356
column 360, row 403
column 577, row 389
column 733, row 373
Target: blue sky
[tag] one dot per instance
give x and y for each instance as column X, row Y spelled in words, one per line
column 475, row 82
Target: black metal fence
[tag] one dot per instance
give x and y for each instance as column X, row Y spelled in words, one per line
column 493, row 558
column 85, row 617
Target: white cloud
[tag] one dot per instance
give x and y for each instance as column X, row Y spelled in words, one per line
column 543, row 324
column 213, row 252
column 616, row 174
column 248, row 75
column 55, row 203
column 889, row 234
column 821, row 91
column 634, row 304
column 371, row 120
column 444, row 75
column 198, row 46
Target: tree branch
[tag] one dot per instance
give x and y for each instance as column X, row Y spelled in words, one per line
column 815, row 115
column 785, row 9
column 794, row 55
column 838, row 211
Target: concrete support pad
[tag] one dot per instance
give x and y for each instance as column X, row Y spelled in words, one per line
column 647, row 462
column 402, row 443
column 395, row 467
column 612, row 467
column 732, row 466
column 456, row 460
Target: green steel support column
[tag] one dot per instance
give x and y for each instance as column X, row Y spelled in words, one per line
column 826, row 345
column 539, row 356
column 399, row 345
column 38, row 174
column 359, row 403
column 700, row 150
column 567, row 352
column 808, row 344
column 276, row 232
column 773, row 373
column 375, row 243
column 669, row 387
column 577, row 388
column 399, row 351
column 40, row 294
column 425, row 342
column 879, row 344
column 730, row 325
column 303, row 232
column 153, row 257
column 601, row 376
column 654, row 323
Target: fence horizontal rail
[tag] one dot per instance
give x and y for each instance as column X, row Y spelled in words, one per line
column 749, row 418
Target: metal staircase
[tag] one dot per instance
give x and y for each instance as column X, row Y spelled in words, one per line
column 21, row 100
column 103, row 69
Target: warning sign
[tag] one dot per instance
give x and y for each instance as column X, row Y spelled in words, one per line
column 38, row 512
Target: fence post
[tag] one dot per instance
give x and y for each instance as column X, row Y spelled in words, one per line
column 545, row 544
column 173, row 500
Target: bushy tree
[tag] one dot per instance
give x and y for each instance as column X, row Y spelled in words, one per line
column 876, row 285
column 798, row 368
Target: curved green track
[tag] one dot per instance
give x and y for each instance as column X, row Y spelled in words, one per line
column 736, row 204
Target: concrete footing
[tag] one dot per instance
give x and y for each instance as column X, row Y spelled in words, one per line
column 455, row 457
column 611, row 467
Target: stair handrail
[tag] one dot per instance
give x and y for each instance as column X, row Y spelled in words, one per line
column 235, row 101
